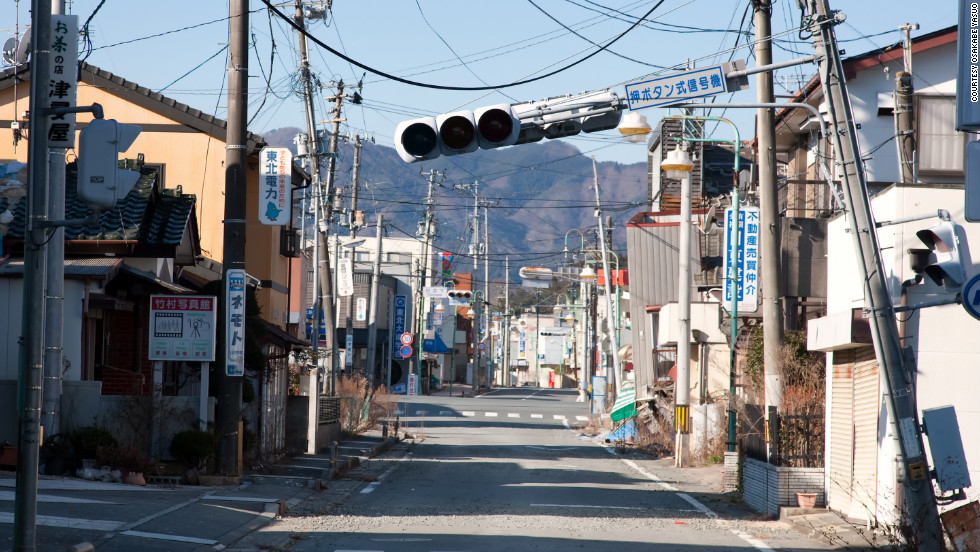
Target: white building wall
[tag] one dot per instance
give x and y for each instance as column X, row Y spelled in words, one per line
column 944, row 338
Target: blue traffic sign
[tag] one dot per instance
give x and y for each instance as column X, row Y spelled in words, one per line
column 971, row 297
column 405, row 351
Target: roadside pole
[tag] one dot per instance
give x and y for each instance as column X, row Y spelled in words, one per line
column 373, row 316
column 229, row 385
column 919, row 506
column 772, row 309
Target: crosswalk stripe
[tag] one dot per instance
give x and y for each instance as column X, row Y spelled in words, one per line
column 490, row 414
column 513, row 415
column 421, row 412
column 559, row 417
column 582, row 418
column 468, row 413
column 537, row 416
column 445, row 412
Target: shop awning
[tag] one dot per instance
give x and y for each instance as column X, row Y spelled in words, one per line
column 625, row 406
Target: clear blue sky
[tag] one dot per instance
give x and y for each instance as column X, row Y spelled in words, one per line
column 500, row 42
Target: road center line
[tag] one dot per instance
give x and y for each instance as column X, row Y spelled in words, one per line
column 594, row 506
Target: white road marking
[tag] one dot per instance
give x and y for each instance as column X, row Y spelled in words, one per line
column 490, row 414
column 582, row 418
column 370, row 488
column 537, row 416
column 513, row 415
column 261, row 499
column 66, row 522
column 11, row 495
column 468, row 413
column 445, row 412
column 595, row 506
column 532, row 394
column 752, row 541
column 398, row 413
column 421, row 412
column 559, row 417
column 177, row 538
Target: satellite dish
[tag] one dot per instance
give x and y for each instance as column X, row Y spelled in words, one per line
column 9, row 49
column 16, row 52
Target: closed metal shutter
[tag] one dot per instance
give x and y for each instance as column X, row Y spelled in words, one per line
column 840, row 431
column 867, row 399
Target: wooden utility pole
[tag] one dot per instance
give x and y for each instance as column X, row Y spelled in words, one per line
column 228, row 412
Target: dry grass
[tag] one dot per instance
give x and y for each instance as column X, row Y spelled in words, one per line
column 353, row 415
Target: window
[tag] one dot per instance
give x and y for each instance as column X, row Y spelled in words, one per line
column 940, row 147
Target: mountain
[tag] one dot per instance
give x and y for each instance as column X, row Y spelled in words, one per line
column 541, row 192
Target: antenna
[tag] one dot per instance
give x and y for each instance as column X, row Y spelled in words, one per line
column 15, row 52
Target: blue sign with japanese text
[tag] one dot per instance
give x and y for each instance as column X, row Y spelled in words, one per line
column 235, row 322
column 677, row 88
column 746, row 250
column 400, row 302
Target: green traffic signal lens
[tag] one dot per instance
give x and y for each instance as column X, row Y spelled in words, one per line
column 419, row 139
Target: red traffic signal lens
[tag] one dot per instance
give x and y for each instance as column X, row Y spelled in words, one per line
column 456, row 132
column 419, row 139
column 495, row 125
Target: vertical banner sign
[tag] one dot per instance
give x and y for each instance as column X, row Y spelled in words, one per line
column 182, row 327
column 345, row 278
column 360, row 311
column 522, row 345
column 968, row 67
column 399, row 324
column 235, row 322
column 349, row 351
column 62, row 79
column 747, row 250
column 447, row 267
column 275, row 193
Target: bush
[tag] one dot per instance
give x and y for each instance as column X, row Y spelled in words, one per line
column 88, row 440
column 193, row 447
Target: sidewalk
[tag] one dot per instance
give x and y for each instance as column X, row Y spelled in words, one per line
column 174, row 518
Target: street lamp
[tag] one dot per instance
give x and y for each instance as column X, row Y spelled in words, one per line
column 678, row 165
column 634, row 127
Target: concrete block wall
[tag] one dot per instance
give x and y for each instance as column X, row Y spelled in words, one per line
column 766, row 487
column 731, row 471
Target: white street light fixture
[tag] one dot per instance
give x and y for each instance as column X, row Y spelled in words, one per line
column 678, row 164
column 587, row 273
column 470, row 313
column 439, row 307
column 634, row 127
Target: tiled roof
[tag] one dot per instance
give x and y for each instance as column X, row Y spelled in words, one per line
column 147, row 216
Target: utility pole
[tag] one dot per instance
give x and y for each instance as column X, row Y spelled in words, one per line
column 319, row 312
column 682, row 396
column 327, row 299
column 373, row 310
column 772, row 309
column 352, row 228
column 485, row 249
column 228, row 412
column 426, row 226
column 505, row 333
column 919, row 504
column 610, row 308
column 904, row 112
column 29, row 386
column 54, row 294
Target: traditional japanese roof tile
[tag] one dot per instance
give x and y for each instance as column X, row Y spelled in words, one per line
column 148, row 217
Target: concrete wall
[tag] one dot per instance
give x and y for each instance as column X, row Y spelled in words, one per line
column 766, row 487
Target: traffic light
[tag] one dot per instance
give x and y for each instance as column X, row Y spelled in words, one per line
column 460, row 294
column 101, row 183
column 457, row 132
column 945, row 264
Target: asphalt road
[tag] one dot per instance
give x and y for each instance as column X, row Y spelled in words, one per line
column 511, row 470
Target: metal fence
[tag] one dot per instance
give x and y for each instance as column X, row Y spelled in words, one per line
column 795, row 437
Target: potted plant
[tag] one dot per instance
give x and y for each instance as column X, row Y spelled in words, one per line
column 806, row 500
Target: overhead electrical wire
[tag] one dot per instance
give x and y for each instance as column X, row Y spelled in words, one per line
column 323, row 45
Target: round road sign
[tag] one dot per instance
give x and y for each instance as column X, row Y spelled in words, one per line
column 971, row 297
column 406, row 339
column 405, row 351
column 483, row 346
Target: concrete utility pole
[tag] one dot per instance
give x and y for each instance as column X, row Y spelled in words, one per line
column 919, row 506
column 228, row 412
column 505, row 332
column 904, row 109
column 29, row 386
column 373, row 309
column 485, row 249
column 352, row 228
column 772, row 309
column 314, row 384
column 327, row 299
column 54, row 295
column 682, row 398
column 427, row 225
column 610, row 307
